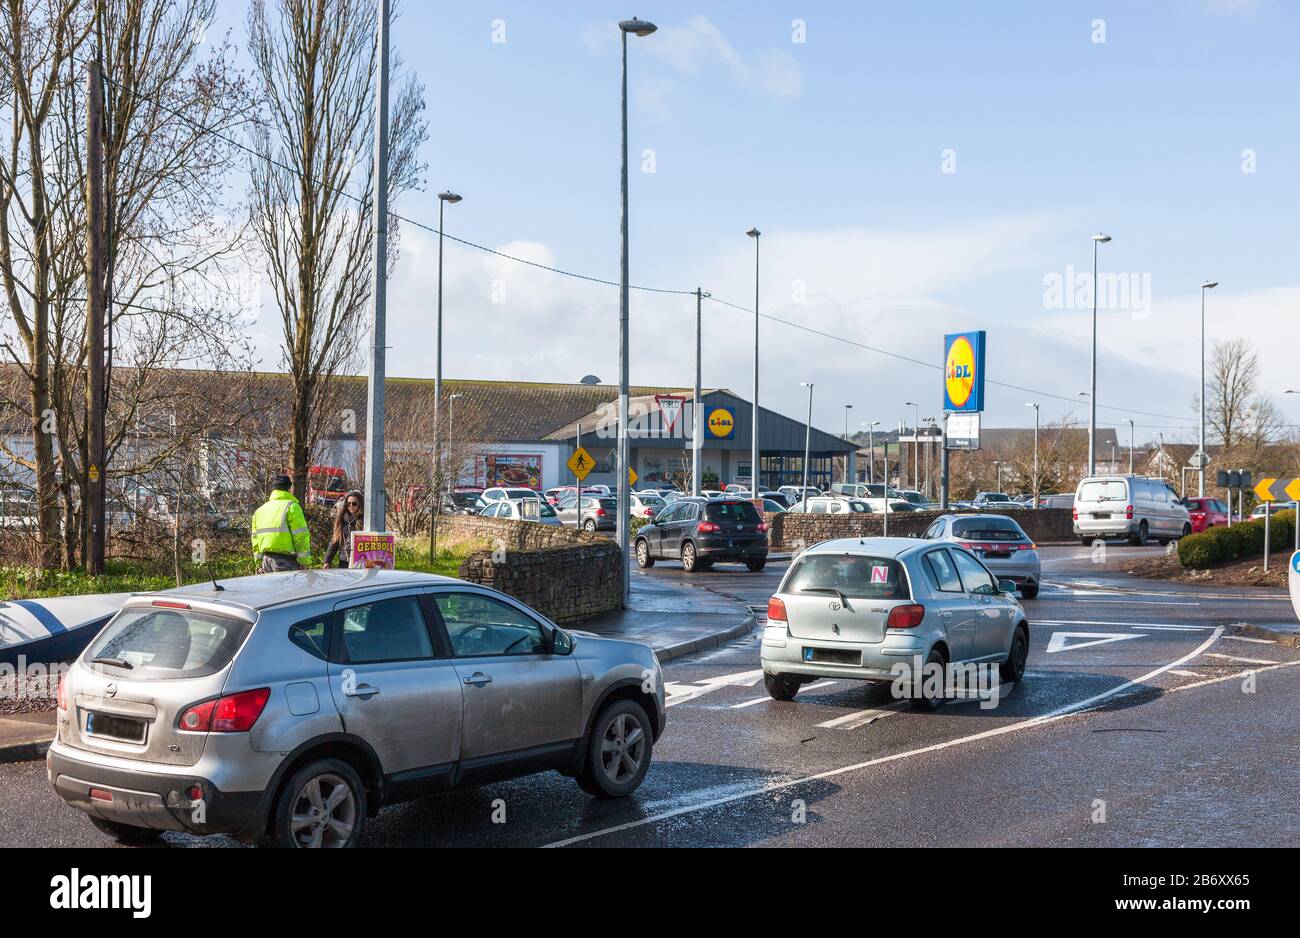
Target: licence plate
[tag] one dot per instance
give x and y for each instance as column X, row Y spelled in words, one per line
column 106, row 724
column 1101, row 515
column 832, row 656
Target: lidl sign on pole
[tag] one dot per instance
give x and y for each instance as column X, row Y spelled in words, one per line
column 963, row 372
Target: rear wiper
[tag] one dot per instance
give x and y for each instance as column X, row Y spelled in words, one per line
column 825, row 589
column 115, row 662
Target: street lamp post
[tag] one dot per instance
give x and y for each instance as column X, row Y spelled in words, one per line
column 453, row 475
column 1132, row 442
column 1092, row 385
column 439, row 469
column 916, row 446
column 871, row 447
column 807, row 443
column 847, row 408
column 1037, row 487
column 697, row 428
column 622, row 514
column 1200, row 461
column 753, row 429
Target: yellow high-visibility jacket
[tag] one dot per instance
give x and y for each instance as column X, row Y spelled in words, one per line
column 280, row 527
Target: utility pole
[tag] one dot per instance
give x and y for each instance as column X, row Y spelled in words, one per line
column 95, row 261
column 696, row 428
column 375, row 509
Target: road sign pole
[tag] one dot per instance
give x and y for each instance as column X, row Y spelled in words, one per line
column 1268, row 511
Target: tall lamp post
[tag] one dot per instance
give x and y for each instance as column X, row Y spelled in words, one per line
column 1097, row 239
column 1034, row 405
column 638, row 28
column 753, row 429
column 916, row 446
column 1132, row 442
column 439, row 469
column 847, row 408
column 871, row 448
column 1201, row 458
column 807, row 443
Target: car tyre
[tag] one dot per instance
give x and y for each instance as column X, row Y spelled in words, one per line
column 589, row 524
column 643, row 558
column 756, row 566
column 781, row 686
column 330, row 786
column 919, row 699
column 1013, row 669
column 1143, row 535
column 126, row 833
column 690, row 561
column 618, row 752
column 1029, row 590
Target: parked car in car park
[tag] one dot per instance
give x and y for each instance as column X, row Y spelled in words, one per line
column 1261, row 510
column 598, row 512
column 645, row 504
column 290, row 707
column 1056, row 500
column 701, row 532
column 996, row 501
column 918, row 500
column 499, row 493
column 1134, row 507
column 522, row 509
column 826, row 505
column 773, row 506
column 795, row 493
column 1206, row 512
column 853, row 608
column 999, row 542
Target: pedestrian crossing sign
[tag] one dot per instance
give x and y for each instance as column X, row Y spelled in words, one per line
column 581, row 463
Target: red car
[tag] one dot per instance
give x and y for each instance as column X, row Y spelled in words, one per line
column 1205, row 512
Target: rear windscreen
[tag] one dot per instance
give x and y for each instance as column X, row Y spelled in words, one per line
column 852, row 575
column 1115, row 491
column 168, row 643
column 987, row 529
column 743, row 512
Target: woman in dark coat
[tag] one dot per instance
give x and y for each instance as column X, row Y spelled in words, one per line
column 347, row 518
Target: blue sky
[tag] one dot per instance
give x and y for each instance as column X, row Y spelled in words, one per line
column 836, row 148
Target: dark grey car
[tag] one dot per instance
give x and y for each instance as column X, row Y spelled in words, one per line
column 700, row 532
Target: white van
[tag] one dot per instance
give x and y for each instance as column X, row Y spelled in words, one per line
column 1135, row 507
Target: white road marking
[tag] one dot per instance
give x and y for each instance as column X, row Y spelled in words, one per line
column 1057, row 641
column 1235, row 675
column 1175, row 628
column 1242, row 638
column 1163, row 625
column 1181, row 673
column 681, row 693
column 1214, row 654
column 1032, row 722
column 759, row 700
column 858, row 718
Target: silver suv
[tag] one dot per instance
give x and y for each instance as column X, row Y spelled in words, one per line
column 287, row 708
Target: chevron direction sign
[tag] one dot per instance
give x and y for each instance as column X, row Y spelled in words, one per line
column 1278, row 490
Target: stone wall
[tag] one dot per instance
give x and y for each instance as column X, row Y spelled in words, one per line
column 567, row 575
column 789, row 530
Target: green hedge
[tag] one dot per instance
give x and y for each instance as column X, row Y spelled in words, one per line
column 1220, row 545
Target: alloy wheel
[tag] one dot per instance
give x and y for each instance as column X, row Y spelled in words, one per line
column 622, row 748
column 324, row 813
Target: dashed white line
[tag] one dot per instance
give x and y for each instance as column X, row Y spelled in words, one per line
column 1235, row 675
column 1181, row 673
column 852, row 721
column 1242, row 638
column 1049, row 717
column 1215, row 654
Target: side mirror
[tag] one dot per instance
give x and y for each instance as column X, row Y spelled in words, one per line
column 561, row 642
column 1007, row 586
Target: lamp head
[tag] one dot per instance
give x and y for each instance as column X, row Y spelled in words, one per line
column 753, row 232
column 1101, row 238
column 638, row 27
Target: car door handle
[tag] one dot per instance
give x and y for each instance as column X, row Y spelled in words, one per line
column 478, row 679
column 364, row 691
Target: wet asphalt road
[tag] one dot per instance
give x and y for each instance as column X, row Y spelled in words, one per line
column 1142, row 728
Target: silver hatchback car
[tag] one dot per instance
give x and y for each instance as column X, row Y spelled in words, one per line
column 287, row 708
column 997, row 540
column 855, row 608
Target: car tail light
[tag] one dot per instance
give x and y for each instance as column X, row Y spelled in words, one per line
column 1030, row 546
column 776, row 610
column 906, row 616
column 649, row 512
column 62, row 701
column 1128, row 513
column 100, row 794
column 600, row 512
column 167, row 604
column 235, row 713
column 1076, row 514
column 707, row 527
column 762, row 526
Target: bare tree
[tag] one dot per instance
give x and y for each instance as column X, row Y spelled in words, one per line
column 171, row 100
column 315, row 66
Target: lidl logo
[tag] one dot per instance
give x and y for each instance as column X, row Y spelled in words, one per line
column 962, row 378
column 721, row 423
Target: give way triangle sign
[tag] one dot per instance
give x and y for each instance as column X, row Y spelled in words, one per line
column 1059, row 640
